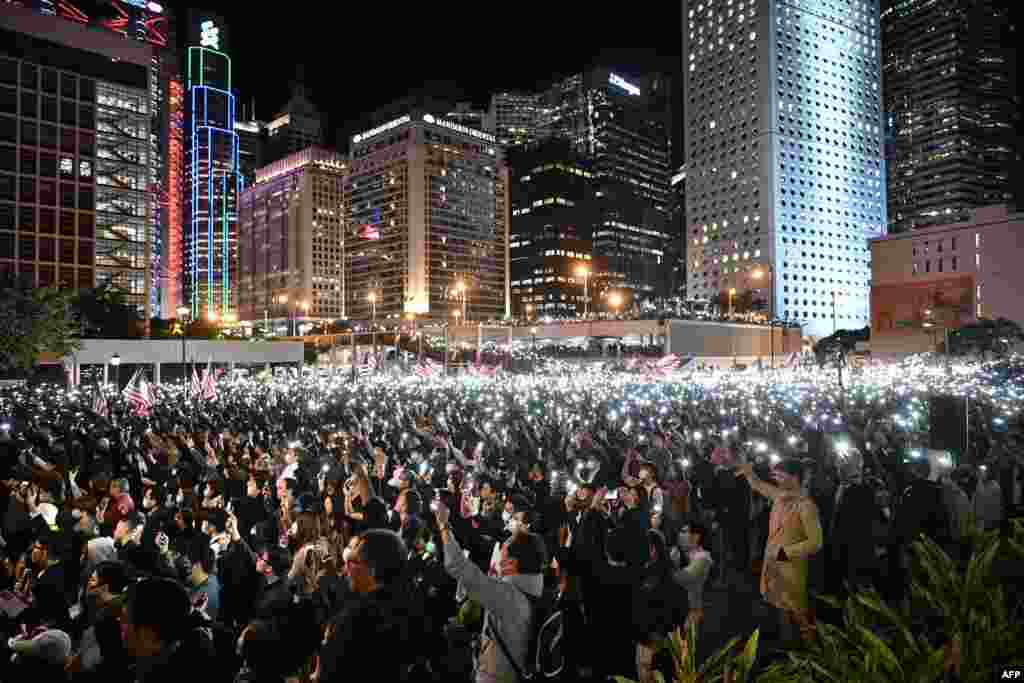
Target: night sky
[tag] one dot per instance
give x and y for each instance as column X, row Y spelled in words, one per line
column 365, row 55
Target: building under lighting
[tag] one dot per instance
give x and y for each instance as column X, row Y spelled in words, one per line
column 513, row 118
column 75, row 156
column 154, row 26
column 251, row 139
column 297, row 127
column 554, row 211
column 785, row 172
column 291, row 230
column 945, row 276
column 427, row 201
column 214, row 182
column 952, row 106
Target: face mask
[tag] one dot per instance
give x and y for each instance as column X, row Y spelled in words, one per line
column 180, row 498
column 506, row 517
column 294, row 529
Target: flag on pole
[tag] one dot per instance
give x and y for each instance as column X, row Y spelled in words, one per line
column 428, row 368
column 209, row 385
column 139, row 393
column 369, row 364
column 100, row 405
column 197, row 385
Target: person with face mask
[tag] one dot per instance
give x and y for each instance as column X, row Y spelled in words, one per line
column 695, row 569
column 104, row 600
column 794, row 535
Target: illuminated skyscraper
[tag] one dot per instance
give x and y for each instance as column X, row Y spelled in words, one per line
column 428, row 211
column 783, row 148
column 295, row 128
column 951, row 99
column 214, row 184
column 75, row 162
column 153, row 25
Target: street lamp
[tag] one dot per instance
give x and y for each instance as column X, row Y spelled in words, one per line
column 304, row 305
column 529, row 311
column 460, row 287
column 584, row 272
column 533, row 331
column 115, row 360
column 758, row 274
column 183, row 312
column 372, row 298
column 615, row 300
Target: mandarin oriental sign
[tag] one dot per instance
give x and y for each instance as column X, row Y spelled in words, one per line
column 472, row 132
column 381, row 129
column 618, row 80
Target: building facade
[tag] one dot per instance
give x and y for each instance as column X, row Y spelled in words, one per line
column 297, row 127
column 952, row 107
column 624, row 130
column 945, row 276
column 154, row 26
column 783, row 137
column 513, row 118
column 291, row 236
column 214, row 185
column 428, row 209
column 554, row 213
column 251, row 142
column 676, row 249
column 75, row 157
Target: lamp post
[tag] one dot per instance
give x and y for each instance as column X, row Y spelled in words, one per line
column 183, row 312
column 115, row 360
column 460, row 287
column 533, row 332
column 615, row 300
column 529, row 312
column 732, row 295
column 283, row 300
column 584, row 272
column 372, row 298
column 758, row 274
column 304, row 305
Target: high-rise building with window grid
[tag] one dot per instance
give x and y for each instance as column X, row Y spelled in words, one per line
column 783, row 148
column 75, row 157
column 428, row 210
column 952, row 106
column 290, row 236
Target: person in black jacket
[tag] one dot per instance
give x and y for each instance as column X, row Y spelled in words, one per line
column 382, row 618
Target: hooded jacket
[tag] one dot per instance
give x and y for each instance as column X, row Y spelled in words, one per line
column 508, row 611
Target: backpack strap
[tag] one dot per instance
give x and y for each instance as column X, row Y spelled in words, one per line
column 501, row 641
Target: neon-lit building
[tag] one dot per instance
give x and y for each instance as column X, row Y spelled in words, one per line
column 428, row 209
column 75, row 162
column 153, row 25
column 783, row 138
column 214, row 185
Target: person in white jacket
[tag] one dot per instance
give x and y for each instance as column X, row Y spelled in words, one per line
column 693, row 576
column 508, row 609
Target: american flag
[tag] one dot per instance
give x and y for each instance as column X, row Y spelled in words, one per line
column 631, row 363
column 665, row 366
column 100, row 405
column 428, row 368
column 370, row 363
column 139, row 393
column 209, row 386
column 197, row 385
column 482, row 370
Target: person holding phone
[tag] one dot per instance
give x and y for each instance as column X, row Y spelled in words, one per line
column 794, row 535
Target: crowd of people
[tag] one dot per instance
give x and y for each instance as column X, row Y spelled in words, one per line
column 465, row 528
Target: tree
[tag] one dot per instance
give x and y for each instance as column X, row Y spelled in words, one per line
column 106, row 315
column 33, row 322
column 986, row 336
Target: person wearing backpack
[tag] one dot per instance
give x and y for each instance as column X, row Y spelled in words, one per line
column 512, row 602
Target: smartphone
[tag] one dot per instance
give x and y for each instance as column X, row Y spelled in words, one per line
column 612, row 495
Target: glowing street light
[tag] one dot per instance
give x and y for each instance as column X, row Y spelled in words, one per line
column 615, row 300
column 584, row 272
column 372, row 298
